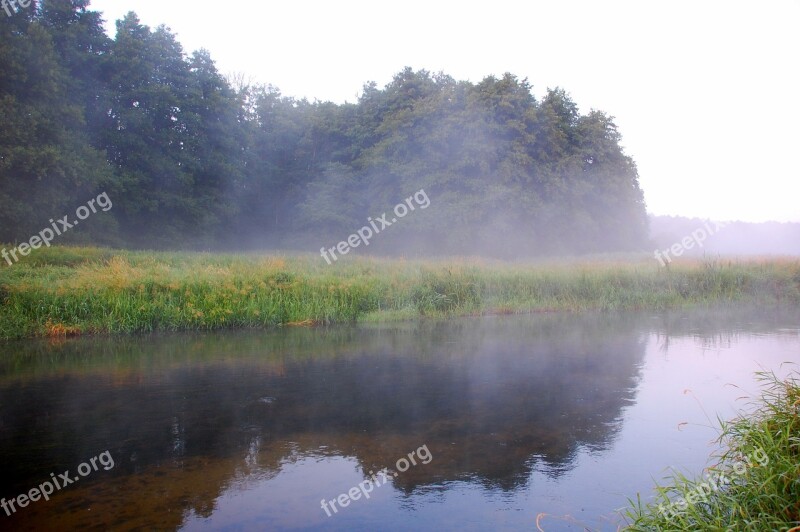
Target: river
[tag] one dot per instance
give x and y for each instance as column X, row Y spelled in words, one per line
column 482, row 423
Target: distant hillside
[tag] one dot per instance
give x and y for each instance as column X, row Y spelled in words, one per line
column 735, row 238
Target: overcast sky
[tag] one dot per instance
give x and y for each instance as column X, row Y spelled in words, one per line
column 704, row 93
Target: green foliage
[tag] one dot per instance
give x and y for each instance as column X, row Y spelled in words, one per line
column 446, row 291
column 191, row 158
column 69, row 290
column 47, row 161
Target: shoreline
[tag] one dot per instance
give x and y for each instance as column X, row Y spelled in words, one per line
column 759, row 462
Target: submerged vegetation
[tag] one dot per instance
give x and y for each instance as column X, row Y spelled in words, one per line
column 760, row 467
column 65, row 291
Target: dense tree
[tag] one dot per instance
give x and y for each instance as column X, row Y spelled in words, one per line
column 192, row 159
column 47, row 160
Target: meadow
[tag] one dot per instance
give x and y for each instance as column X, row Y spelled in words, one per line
column 67, row 291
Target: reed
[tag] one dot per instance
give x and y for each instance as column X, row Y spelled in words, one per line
column 64, row 291
column 760, row 461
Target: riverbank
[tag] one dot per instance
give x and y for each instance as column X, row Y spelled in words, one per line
column 755, row 484
column 64, row 291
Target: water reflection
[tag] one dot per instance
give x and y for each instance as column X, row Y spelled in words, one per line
column 259, row 426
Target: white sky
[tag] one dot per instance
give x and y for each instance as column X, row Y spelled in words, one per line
column 705, row 93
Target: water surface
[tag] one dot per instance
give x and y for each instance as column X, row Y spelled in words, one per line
column 559, row 416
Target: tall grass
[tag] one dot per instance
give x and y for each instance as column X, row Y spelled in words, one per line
column 761, row 461
column 69, row 290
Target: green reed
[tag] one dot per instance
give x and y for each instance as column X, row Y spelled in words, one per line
column 63, row 291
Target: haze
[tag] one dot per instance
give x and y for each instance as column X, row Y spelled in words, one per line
column 704, row 94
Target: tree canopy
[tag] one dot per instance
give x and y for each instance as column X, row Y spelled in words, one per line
column 194, row 160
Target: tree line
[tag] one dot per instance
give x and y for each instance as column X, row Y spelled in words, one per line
column 192, row 159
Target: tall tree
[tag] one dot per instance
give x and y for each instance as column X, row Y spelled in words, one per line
column 150, row 133
column 47, row 163
column 190, row 157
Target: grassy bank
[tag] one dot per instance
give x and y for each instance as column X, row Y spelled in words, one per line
column 756, row 482
column 67, row 291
